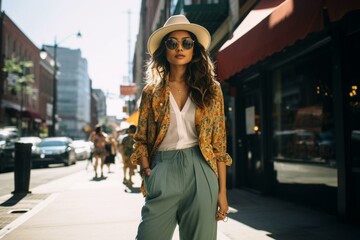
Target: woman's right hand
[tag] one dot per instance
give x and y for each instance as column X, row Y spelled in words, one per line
column 145, row 168
column 146, row 172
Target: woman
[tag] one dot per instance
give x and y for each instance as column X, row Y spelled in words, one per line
column 180, row 142
column 126, row 150
column 111, row 148
column 99, row 140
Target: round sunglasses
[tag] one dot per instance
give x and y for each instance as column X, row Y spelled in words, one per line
column 172, row 43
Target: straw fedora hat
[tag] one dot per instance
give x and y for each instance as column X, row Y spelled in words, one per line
column 174, row 23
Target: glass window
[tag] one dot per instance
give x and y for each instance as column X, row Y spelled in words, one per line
column 303, row 123
column 352, row 78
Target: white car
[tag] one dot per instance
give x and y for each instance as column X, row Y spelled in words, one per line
column 82, row 148
column 33, row 140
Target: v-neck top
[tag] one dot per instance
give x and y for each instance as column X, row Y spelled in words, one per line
column 182, row 132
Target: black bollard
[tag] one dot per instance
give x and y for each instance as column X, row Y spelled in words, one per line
column 22, row 167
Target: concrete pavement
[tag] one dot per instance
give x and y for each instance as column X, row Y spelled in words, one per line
column 80, row 207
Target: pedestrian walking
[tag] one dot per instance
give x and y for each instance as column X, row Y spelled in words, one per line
column 111, row 150
column 180, row 142
column 99, row 140
column 126, row 150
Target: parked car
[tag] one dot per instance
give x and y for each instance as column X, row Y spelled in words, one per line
column 82, row 149
column 7, row 149
column 11, row 131
column 33, row 140
column 54, row 150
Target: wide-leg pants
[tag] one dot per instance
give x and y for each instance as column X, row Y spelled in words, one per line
column 182, row 189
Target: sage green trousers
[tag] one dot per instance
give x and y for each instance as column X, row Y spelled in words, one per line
column 182, row 189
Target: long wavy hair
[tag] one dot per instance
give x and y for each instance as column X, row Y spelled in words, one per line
column 199, row 74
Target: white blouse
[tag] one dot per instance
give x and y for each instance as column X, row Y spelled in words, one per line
column 181, row 133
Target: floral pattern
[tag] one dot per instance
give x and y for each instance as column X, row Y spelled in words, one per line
column 154, row 120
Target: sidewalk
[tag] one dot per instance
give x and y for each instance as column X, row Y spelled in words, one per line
column 78, row 207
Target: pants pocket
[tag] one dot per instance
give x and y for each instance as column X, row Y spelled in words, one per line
column 151, row 183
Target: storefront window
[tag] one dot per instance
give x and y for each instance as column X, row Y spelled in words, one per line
column 303, row 123
column 352, row 75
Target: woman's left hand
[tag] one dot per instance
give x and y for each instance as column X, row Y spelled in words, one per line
column 223, row 207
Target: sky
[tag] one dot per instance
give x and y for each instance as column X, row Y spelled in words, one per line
column 105, row 26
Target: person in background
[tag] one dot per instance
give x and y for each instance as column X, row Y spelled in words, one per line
column 180, row 142
column 98, row 137
column 126, row 149
column 111, row 149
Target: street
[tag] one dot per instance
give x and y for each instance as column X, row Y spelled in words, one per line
column 39, row 176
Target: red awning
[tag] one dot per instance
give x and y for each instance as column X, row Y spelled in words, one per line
column 12, row 112
column 271, row 26
column 31, row 114
column 337, row 9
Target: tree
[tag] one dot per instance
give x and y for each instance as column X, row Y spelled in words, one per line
column 19, row 79
column 18, row 75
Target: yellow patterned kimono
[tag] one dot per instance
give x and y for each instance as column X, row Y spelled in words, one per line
column 154, row 121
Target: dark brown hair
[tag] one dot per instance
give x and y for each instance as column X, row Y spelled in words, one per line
column 98, row 129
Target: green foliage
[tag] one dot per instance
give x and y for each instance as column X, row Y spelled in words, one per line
column 18, row 75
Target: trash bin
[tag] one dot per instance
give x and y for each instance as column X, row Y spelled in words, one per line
column 22, row 167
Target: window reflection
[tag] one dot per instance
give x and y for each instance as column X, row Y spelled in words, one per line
column 303, row 126
column 352, row 76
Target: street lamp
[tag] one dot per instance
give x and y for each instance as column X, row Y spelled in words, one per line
column 43, row 55
column 22, row 85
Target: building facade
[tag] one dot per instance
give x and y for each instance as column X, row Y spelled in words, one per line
column 73, row 92
column 18, row 107
column 100, row 104
column 93, row 111
column 292, row 103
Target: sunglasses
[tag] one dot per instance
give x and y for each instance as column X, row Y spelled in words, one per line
column 172, row 43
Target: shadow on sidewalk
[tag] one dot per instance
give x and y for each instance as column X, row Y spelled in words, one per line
column 98, row 179
column 283, row 220
column 130, row 189
column 13, row 200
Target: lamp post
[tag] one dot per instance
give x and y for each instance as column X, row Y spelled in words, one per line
column 22, row 85
column 43, row 55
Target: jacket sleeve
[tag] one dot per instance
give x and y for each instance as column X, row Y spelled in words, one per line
column 140, row 136
column 219, row 129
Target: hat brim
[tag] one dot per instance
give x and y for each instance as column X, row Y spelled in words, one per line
column 203, row 36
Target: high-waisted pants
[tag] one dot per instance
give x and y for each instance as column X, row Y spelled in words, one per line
column 182, row 189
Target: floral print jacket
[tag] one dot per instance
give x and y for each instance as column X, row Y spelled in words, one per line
column 154, row 120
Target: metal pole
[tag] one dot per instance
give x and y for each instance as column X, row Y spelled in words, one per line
column 129, row 56
column 54, row 107
column 52, row 128
column 21, row 108
column 22, row 84
column 129, row 43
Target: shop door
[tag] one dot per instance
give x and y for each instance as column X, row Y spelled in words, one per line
column 249, row 141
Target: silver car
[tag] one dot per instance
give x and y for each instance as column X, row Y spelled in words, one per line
column 55, row 150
